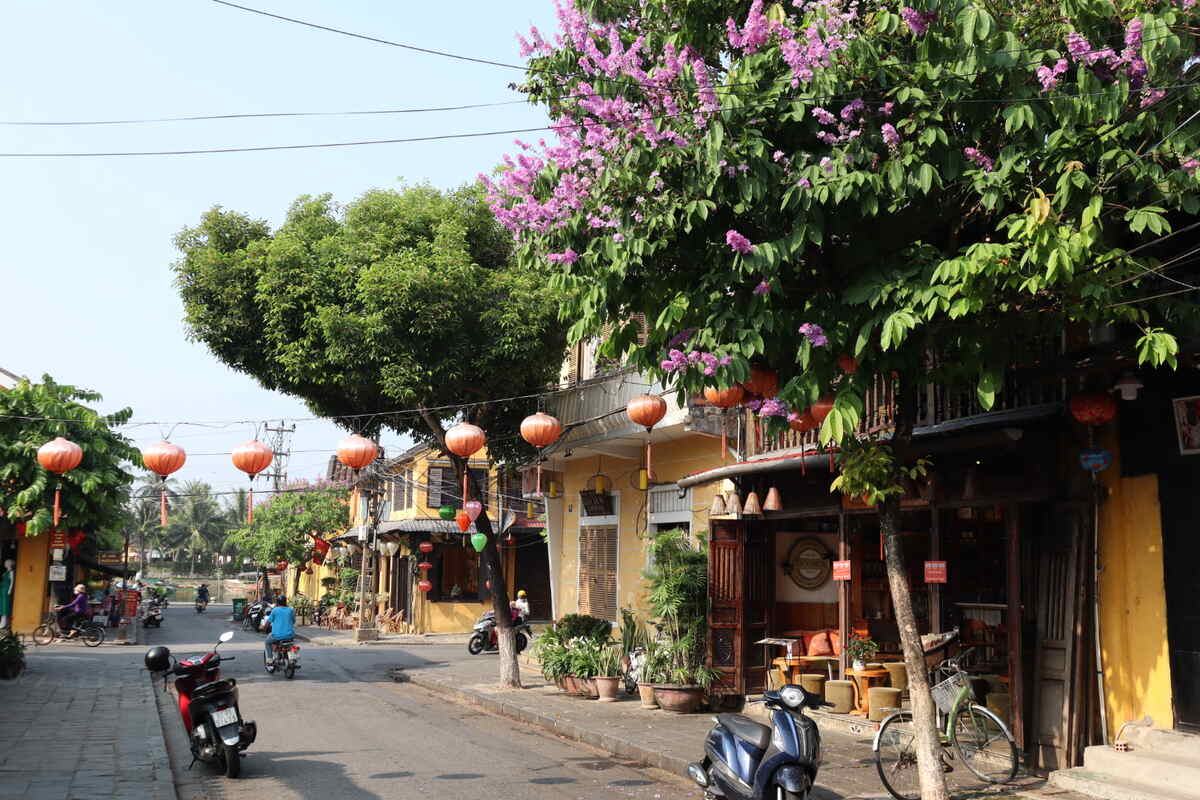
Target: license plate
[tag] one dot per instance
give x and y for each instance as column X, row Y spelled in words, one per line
column 226, row 716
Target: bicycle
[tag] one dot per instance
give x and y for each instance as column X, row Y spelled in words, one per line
column 89, row 632
column 980, row 738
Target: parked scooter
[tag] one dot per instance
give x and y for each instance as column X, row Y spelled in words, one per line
column 153, row 618
column 745, row 760
column 208, row 706
column 485, row 638
column 252, row 621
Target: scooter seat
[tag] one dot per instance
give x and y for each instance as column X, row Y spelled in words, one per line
column 746, row 729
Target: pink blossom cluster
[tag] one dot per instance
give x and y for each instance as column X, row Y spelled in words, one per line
column 917, row 22
column 1048, row 76
column 773, row 407
column 753, row 34
column 805, row 50
column 1106, row 62
column 764, row 287
column 738, row 243
column 814, row 334
column 891, row 137
column 1189, row 165
column 979, row 158
column 678, row 361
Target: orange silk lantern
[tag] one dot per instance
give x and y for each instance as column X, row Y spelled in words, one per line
column 425, row 586
column 820, row 409
column 356, row 451
column 252, row 458
column 464, row 521
column 724, row 399
column 465, row 440
column 425, row 547
column 763, row 382
column 804, row 422
column 848, row 364
column 59, row 456
column 540, row 430
column 425, row 565
column 163, row 459
column 647, row 410
column 1094, row 408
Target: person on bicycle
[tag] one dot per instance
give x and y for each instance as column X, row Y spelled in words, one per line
column 283, row 628
column 71, row 613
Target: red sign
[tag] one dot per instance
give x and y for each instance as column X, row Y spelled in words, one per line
column 128, row 600
column 58, row 539
column 841, row 570
column 935, row 571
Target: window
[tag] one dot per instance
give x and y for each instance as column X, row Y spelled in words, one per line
column 445, row 490
column 455, row 575
column 401, row 490
column 598, row 572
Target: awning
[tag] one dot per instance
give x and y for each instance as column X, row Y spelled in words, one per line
column 116, row 572
column 403, row 526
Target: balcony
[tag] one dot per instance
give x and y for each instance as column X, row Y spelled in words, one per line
column 594, row 410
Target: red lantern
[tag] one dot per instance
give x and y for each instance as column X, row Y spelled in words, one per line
column 647, row 410
column 804, row 422
column 425, row 547
column 464, row 521
column 820, row 409
column 540, row 430
column 425, row 586
column 163, row 459
column 763, row 382
column 320, row 550
column 848, row 364
column 252, row 458
column 1094, row 408
column 59, row 456
column 465, row 440
column 356, row 451
column 76, row 538
column 724, row 399
column 425, row 565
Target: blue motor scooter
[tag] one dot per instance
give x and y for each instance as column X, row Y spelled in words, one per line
column 744, row 760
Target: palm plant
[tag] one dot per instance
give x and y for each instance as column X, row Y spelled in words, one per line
column 679, row 597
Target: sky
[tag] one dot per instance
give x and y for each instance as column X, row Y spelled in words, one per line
column 86, row 290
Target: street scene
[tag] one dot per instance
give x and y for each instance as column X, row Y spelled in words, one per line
column 730, row 400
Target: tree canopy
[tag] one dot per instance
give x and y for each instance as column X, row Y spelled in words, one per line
column 282, row 525
column 94, row 493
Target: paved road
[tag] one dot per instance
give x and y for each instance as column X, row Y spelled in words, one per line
column 342, row 729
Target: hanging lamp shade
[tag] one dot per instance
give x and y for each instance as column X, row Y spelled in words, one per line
column 163, row 459
column 473, row 508
column 718, row 505
column 478, row 541
column 753, row 506
column 733, row 504
column 464, row 521
column 356, row 451
column 446, row 512
column 773, row 502
column 1094, row 408
column 540, row 430
column 763, row 381
column 252, row 458
column 59, row 456
column 647, row 410
column 724, row 398
column 425, row 565
column 465, row 439
column 803, row 423
column 848, row 364
column 425, row 547
column 820, row 409
column 425, row 586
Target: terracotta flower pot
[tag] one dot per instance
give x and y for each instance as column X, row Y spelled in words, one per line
column 608, row 687
column 679, row 699
column 646, row 693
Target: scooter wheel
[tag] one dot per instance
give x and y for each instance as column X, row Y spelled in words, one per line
column 290, row 671
column 522, row 641
column 475, row 645
column 232, row 760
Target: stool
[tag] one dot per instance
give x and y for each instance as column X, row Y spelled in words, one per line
column 875, row 665
column 995, row 684
column 813, row 682
column 979, row 689
column 1000, row 704
column 879, row 698
column 898, row 674
column 841, row 695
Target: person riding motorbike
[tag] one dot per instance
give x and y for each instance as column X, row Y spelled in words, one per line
column 70, row 614
column 283, row 628
column 202, row 593
column 520, row 606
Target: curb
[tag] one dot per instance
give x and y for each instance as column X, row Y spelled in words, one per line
column 611, row 744
column 161, row 758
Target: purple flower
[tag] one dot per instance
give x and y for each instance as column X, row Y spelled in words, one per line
column 1077, row 46
column 1049, row 75
column 823, row 116
column 778, row 154
column 917, row 22
column 827, row 165
column 618, row 237
column 1190, row 165
column 738, row 243
column 754, row 405
column 693, row 356
column 681, row 337
column 1133, row 33
column 981, row 160
column 763, row 288
column 886, row 108
column 725, row 360
column 852, row 110
column 804, row 183
column 891, row 137
column 568, row 256
column 814, row 334
column 773, row 407
column 1152, row 96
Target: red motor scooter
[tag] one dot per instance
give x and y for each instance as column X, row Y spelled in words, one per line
column 208, row 706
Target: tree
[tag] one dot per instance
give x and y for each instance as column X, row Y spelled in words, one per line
column 283, row 526
column 94, row 493
column 925, row 189
column 198, row 525
column 401, row 300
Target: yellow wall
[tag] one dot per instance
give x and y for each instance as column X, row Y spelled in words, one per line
column 672, row 461
column 30, row 587
column 420, row 464
column 1133, row 613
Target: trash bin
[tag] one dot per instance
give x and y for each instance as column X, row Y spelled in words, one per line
column 239, row 608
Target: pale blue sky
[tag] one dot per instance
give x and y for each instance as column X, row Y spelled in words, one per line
column 85, row 279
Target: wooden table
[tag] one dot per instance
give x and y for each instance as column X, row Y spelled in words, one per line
column 863, row 679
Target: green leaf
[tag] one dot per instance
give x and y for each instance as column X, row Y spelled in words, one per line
column 990, row 382
column 925, row 176
column 967, row 20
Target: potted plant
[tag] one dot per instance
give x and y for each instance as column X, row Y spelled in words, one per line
column 12, row 656
column 678, row 584
column 583, row 656
column 861, row 649
column 650, row 673
column 608, row 678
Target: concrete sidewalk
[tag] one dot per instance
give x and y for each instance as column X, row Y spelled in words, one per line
column 325, row 637
column 81, row 723
column 669, row 741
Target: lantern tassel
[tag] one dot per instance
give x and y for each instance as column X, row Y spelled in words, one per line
column 466, row 474
column 162, row 509
column 649, row 469
column 57, row 505
column 724, row 445
column 539, row 473
column 250, row 507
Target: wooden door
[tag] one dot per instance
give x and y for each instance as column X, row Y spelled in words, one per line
column 400, row 579
column 1056, row 559
column 740, row 572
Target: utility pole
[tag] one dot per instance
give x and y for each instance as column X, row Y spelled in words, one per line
column 281, row 445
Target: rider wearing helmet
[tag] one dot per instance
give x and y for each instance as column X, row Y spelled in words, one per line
column 521, row 605
column 202, row 593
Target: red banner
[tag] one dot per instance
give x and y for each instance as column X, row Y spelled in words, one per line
column 58, row 539
column 841, row 570
column 935, row 571
column 128, row 600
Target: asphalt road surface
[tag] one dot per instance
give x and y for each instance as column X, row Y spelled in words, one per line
column 343, row 730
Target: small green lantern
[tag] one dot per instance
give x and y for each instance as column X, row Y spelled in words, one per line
column 479, row 541
column 446, row 512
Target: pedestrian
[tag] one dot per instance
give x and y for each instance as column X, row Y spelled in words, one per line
column 283, row 628
column 72, row 612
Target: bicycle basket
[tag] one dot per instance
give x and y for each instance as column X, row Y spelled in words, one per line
column 946, row 693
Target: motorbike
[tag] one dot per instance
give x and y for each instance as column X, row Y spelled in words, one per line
column 286, row 657
column 484, row 638
column 745, row 760
column 201, row 605
column 153, row 618
column 208, row 705
column 252, row 621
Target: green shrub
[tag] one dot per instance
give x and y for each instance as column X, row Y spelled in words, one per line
column 582, row 626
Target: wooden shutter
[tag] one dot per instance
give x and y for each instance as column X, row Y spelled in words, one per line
column 598, row 572
column 410, row 490
column 433, row 480
column 643, row 329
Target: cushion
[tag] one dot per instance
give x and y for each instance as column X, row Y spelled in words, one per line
column 820, row 645
column 835, row 641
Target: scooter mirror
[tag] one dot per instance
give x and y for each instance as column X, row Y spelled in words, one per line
column 225, row 637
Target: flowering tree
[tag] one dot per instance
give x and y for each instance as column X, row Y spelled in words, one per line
column 923, row 190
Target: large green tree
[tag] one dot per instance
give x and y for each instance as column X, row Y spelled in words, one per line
column 925, row 188
column 94, row 493
column 399, row 300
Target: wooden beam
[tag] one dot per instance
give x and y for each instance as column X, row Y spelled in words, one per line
column 1016, row 670
column 843, row 590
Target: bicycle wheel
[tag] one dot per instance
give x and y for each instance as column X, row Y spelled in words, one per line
column 43, row 634
column 984, row 744
column 896, row 757
column 93, row 635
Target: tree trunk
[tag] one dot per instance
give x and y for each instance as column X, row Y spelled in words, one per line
column 929, row 749
column 296, row 583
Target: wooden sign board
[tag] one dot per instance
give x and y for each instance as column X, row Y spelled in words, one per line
column 58, row 540
column 841, row 570
column 935, row 571
column 596, row 504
